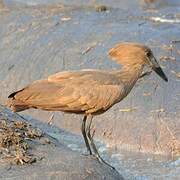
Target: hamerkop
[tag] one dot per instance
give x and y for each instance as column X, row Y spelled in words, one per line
column 89, row 92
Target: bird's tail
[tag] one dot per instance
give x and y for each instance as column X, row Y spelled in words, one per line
column 15, row 104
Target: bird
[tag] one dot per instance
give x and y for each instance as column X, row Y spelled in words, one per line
column 88, row 91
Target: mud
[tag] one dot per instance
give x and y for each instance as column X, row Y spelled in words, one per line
column 14, row 141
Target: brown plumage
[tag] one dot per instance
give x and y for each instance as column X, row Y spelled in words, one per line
column 89, row 92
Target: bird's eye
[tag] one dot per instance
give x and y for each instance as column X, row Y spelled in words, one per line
column 148, row 53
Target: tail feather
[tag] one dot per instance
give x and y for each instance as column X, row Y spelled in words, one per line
column 15, row 104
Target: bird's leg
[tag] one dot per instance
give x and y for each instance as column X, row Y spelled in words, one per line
column 90, row 138
column 83, row 130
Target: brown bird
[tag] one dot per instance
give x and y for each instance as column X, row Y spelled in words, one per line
column 89, row 92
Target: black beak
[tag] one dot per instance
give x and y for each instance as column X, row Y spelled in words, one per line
column 155, row 66
column 160, row 72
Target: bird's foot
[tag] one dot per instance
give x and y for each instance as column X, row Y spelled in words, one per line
column 97, row 157
column 102, row 161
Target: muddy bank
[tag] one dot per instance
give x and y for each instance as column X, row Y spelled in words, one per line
column 53, row 160
column 40, row 40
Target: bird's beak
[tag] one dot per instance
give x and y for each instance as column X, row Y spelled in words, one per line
column 155, row 66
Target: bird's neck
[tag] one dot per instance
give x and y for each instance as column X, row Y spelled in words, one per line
column 130, row 74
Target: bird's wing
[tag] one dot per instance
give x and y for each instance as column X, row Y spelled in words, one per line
column 99, row 97
column 74, row 92
column 92, row 90
column 38, row 93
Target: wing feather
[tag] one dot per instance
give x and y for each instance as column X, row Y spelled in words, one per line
column 80, row 91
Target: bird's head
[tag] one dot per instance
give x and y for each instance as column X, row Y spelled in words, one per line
column 130, row 54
